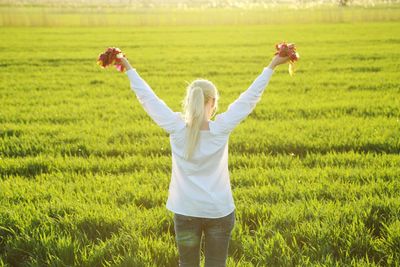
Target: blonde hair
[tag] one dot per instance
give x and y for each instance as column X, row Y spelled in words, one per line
column 198, row 93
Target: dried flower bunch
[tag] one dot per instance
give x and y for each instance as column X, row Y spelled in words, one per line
column 288, row 50
column 112, row 56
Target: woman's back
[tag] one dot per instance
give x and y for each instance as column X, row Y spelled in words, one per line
column 200, row 186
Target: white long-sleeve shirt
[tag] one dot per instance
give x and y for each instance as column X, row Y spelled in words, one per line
column 200, row 187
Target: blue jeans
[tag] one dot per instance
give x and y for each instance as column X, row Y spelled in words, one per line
column 217, row 233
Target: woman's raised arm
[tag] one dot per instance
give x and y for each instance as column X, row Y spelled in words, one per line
column 152, row 104
column 244, row 105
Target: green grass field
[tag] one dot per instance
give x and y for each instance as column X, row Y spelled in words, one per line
column 314, row 169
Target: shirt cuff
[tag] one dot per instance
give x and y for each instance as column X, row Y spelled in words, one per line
column 132, row 74
column 130, row 71
column 269, row 69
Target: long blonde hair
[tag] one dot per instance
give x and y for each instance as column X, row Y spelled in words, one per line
column 198, row 93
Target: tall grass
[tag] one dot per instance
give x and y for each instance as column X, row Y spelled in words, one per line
column 314, row 169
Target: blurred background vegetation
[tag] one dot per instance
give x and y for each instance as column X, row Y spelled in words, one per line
column 160, row 13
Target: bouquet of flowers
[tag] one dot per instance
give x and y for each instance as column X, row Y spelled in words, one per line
column 112, row 56
column 288, row 50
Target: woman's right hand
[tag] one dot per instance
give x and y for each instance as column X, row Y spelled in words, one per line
column 125, row 63
column 278, row 60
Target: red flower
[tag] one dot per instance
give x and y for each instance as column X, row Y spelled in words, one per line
column 109, row 57
column 288, row 50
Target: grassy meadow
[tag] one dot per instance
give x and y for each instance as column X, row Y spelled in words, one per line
column 314, row 169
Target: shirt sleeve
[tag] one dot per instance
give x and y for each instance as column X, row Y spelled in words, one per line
column 161, row 114
column 244, row 105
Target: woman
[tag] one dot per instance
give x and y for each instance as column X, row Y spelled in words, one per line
column 199, row 192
